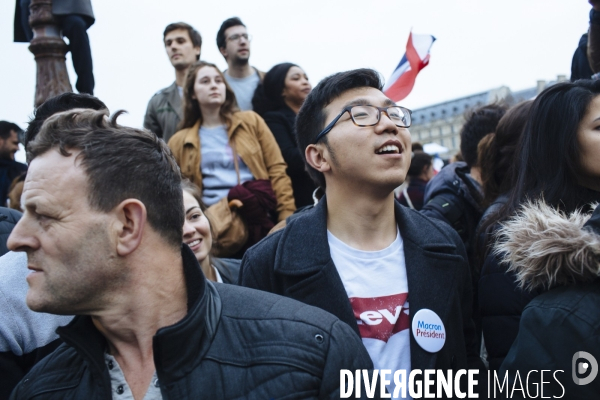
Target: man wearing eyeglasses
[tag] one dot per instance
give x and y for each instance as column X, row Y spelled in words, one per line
column 385, row 270
column 234, row 44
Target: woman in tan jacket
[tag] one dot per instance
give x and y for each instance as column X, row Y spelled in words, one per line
column 213, row 130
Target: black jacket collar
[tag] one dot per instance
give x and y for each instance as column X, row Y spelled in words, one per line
column 177, row 348
column 303, row 252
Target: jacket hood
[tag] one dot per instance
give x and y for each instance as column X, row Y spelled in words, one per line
column 547, row 248
column 454, row 178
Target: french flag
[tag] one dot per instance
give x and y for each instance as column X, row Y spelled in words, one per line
column 415, row 59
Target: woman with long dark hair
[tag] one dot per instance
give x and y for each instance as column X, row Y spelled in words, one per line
column 557, row 161
column 278, row 99
column 220, row 148
column 496, row 153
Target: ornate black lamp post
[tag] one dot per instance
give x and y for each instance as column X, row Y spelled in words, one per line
column 49, row 50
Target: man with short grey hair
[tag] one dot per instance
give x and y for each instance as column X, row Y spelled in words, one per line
column 102, row 230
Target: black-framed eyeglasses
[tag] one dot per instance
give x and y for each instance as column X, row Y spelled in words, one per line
column 368, row 115
column 238, row 36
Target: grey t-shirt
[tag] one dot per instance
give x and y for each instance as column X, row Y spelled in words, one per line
column 244, row 89
column 217, row 167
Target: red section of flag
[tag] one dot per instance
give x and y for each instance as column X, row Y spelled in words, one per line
column 403, row 86
column 381, row 317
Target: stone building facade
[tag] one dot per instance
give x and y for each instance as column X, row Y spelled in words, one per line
column 441, row 123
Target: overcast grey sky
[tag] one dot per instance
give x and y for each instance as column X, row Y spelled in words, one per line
column 481, row 44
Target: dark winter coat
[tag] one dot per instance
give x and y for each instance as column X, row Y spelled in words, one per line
column 416, row 193
column 296, row 262
column 455, row 198
column 234, row 343
column 501, row 301
column 282, row 123
column 549, row 250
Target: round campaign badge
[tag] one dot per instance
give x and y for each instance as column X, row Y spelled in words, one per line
column 428, row 330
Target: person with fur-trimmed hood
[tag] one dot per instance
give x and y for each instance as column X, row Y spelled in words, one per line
column 560, row 329
column 557, row 162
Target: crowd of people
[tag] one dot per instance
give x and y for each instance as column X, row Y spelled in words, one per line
column 249, row 243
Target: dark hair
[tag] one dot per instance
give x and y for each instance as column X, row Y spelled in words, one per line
column 478, row 123
column 268, row 95
column 228, row 23
column 120, row 163
column 497, row 151
column 196, row 192
column 416, row 146
column 191, row 107
column 547, row 160
column 6, row 127
column 419, row 161
column 311, row 118
column 56, row 104
column 548, row 163
column 195, row 36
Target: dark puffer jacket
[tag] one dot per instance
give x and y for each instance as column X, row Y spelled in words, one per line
column 454, row 197
column 234, row 343
column 559, row 329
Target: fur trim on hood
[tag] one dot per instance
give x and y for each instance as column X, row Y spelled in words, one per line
column 546, row 248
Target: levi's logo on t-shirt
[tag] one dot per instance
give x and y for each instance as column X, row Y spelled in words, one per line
column 381, row 317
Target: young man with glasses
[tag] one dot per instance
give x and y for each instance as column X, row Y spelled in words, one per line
column 359, row 254
column 233, row 41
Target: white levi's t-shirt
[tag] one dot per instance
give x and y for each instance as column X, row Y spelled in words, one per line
column 377, row 288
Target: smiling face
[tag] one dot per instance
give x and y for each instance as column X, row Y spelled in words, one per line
column 196, row 228
column 588, row 136
column 377, row 157
column 296, row 86
column 209, row 87
column 180, row 49
column 236, row 51
column 69, row 246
